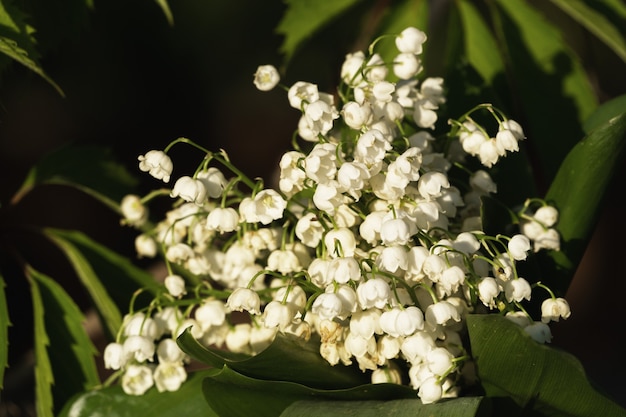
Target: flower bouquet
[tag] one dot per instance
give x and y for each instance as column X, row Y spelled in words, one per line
column 391, row 266
column 380, row 272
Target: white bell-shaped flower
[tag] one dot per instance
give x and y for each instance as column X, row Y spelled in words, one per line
column 406, row 65
column 283, row 261
column 518, row 247
column 430, row 391
column 169, row 376
column 156, row 163
column 302, row 92
column 366, row 323
column 277, row 314
column 137, row 379
column 114, row 356
column 410, row 40
column 517, row 290
column 547, row 215
column 134, row 211
column 402, row 322
column 344, row 269
column 213, row 180
column 244, row 299
column 211, row 313
column 439, row 360
column 318, row 272
column 145, row 246
column 168, row 351
column 340, row 242
column 223, row 219
column 138, row 324
column 269, row 206
column 238, row 338
column 327, row 306
column 386, row 375
column 374, row 292
column 393, row 259
column 266, row 77
column 357, row 115
column 320, row 116
column 416, row 347
column 552, row 309
column 190, row 190
column 175, row 285
column 488, row 291
column 140, row 348
column 395, row 232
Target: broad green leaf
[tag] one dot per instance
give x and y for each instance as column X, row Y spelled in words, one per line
column 285, row 359
column 481, row 48
column 595, row 23
column 578, row 192
column 17, row 43
column 110, row 278
column 511, row 364
column 113, row 402
column 605, row 112
column 304, row 18
column 458, row 407
column 617, row 6
column 551, row 85
column 91, row 169
column 231, row 393
column 165, row 7
column 4, row 331
column 62, row 345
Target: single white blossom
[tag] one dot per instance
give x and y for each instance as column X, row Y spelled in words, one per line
column 552, row 309
column 137, row 379
column 175, row 285
column 266, row 77
column 189, row 189
column 410, row 40
column 156, row 163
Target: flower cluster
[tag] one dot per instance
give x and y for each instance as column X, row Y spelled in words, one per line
column 370, row 245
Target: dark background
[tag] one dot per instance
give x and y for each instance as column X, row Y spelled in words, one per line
column 133, row 83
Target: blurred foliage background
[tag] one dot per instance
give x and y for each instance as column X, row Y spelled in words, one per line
column 132, row 82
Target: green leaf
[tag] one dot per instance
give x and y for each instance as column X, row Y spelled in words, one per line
column 481, row 48
column 4, row 331
column 299, row 362
column 165, row 7
column 231, row 393
column 90, row 169
column 17, row 43
column 595, row 23
column 547, row 76
column 458, row 407
column 535, row 376
column 617, row 7
column 578, row 192
column 110, row 278
column 605, row 112
column 113, row 402
column 304, row 18
column 44, row 377
column 62, row 346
